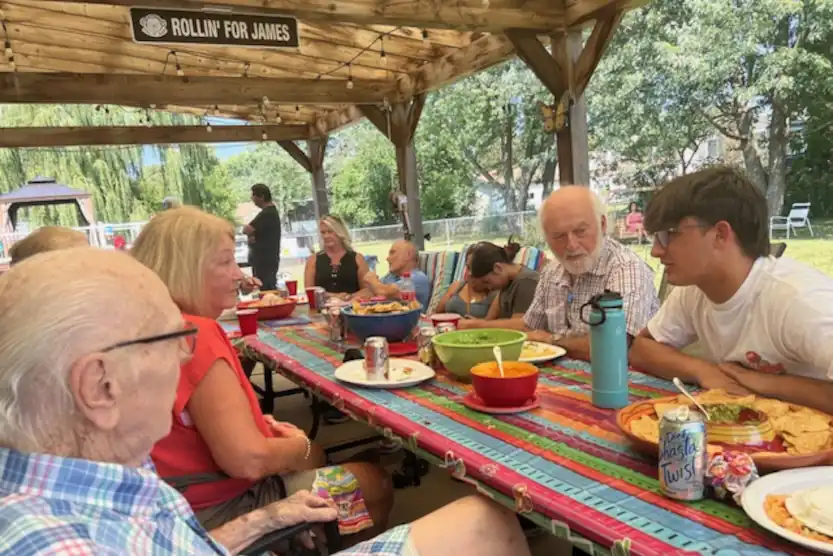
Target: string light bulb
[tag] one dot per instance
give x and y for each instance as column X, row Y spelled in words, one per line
column 425, row 34
column 349, row 76
column 9, row 53
column 382, row 55
column 297, row 108
column 179, row 71
column 208, row 127
column 264, row 136
column 278, row 118
column 265, row 101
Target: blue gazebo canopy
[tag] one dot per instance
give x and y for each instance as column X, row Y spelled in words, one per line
column 44, row 191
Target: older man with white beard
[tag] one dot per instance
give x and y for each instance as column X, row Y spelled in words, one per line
column 587, row 263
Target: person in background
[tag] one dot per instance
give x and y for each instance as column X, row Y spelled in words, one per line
column 119, row 243
column 634, row 221
column 170, row 203
column 87, row 392
column 468, row 297
column 336, row 268
column 48, row 238
column 763, row 324
column 515, row 283
column 264, row 233
column 217, row 423
column 403, row 259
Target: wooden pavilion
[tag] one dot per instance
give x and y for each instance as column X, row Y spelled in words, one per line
column 343, row 60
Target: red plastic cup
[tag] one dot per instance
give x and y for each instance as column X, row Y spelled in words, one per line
column 292, row 287
column 311, row 297
column 445, row 318
column 247, row 318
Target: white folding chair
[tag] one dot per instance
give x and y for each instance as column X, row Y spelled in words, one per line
column 798, row 218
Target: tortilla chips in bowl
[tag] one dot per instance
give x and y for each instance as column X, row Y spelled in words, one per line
column 777, row 435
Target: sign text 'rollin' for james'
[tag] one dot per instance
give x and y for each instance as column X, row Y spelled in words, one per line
column 190, row 27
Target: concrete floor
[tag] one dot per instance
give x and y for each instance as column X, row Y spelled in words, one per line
column 436, row 490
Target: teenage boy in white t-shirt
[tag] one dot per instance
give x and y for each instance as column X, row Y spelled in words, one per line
column 764, row 325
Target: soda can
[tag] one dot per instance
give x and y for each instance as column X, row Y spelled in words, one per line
column 320, row 297
column 683, row 454
column 446, row 327
column 335, row 323
column 377, row 358
column 425, row 343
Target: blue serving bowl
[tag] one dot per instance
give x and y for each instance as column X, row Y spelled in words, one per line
column 396, row 327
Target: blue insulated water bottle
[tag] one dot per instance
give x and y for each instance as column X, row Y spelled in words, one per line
column 608, row 349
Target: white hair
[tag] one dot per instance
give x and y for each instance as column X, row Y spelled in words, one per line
column 56, row 307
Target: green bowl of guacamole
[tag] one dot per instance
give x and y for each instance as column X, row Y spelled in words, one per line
column 460, row 350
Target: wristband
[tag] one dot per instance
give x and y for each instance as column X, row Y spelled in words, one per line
column 308, row 451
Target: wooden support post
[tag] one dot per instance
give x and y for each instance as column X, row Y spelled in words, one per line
column 317, row 149
column 314, row 164
column 566, row 71
column 400, row 126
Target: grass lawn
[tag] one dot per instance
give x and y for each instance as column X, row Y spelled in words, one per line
column 816, row 251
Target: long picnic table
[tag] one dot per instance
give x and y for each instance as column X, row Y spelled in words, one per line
column 566, row 465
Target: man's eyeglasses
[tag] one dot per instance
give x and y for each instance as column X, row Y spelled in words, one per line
column 664, row 237
column 188, row 335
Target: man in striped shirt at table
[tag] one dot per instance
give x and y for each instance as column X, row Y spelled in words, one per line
column 587, row 263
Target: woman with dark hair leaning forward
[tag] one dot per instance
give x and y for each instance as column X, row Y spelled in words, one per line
column 495, row 268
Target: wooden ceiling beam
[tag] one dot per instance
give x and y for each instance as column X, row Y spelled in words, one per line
column 544, row 15
column 333, row 120
column 479, row 55
column 538, row 59
column 64, row 88
column 594, row 49
column 140, row 135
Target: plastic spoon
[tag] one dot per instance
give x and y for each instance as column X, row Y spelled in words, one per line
column 499, row 358
column 679, row 384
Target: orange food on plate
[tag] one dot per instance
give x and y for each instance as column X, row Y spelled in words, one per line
column 775, row 507
column 511, row 369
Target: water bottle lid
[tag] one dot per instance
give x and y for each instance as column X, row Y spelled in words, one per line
column 609, row 299
column 597, row 305
column 406, row 275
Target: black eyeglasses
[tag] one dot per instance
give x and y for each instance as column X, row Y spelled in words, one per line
column 663, row 237
column 189, row 335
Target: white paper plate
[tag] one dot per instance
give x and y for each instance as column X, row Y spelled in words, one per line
column 785, row 482
column 353, row 372
column 553, row 352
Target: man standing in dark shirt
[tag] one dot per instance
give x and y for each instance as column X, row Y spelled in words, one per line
column 264, row 233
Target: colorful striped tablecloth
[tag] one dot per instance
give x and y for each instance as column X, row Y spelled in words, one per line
column 565, row 463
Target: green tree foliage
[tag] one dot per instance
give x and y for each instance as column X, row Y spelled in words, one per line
column 124, row 186
column 748, row 68
column 493, row 121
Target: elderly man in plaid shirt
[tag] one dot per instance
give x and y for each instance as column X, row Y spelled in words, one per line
column 588, row 263
column 91, row 358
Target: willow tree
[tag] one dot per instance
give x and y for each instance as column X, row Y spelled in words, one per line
column 127, row 182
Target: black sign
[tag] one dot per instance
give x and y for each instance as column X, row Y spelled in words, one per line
column 191, row 27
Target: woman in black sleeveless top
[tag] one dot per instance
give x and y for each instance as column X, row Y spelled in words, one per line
column 336, row 268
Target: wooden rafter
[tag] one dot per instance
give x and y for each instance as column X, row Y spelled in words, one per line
column 457, row 14
column 483, row 53
column 595, row 48
column 157, row 89
column 139, row 135
column 297, row 154
column 536, row 57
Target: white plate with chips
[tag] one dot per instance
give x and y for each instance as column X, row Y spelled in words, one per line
column 539, row 352
column 403, row 373
column 755, row 499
